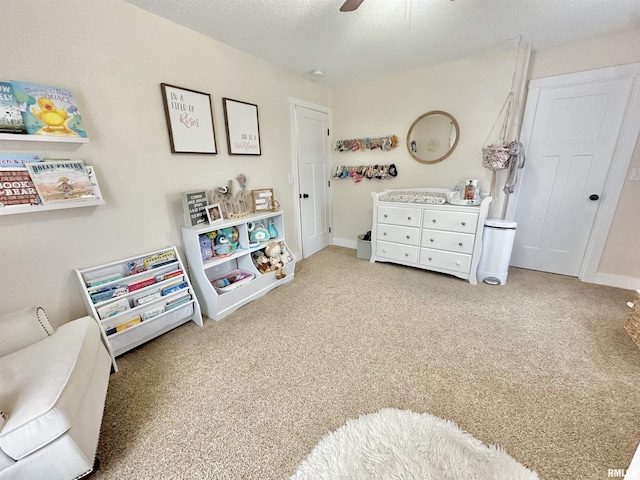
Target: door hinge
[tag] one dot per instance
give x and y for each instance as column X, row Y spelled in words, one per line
column 327, row 132
column 329, row 182
column 329, row 229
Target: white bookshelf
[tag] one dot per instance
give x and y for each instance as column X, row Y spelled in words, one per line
column 217, row 305
column 120, row 339
column 42, row 138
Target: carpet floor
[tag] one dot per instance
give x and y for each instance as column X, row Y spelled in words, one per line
column 541, row 366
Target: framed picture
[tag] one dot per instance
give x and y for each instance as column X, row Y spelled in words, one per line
column 241, row 124
column 214, row 213
column 189, row 120
column 194, row 205
column 262, row 200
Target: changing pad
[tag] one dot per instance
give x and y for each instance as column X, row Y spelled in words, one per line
column 414, row 196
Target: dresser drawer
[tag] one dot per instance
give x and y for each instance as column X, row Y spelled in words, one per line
column 457, row 262
column 394, row 233
column 409, row 217
column 455, row 242
column 396, row 251
column 453, row 221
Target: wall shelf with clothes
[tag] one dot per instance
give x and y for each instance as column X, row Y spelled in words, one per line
column 371, row 171
column 381, row 142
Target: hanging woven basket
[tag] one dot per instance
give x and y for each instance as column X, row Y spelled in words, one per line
column 496, row 156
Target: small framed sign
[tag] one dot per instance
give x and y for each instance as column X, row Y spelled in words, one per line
column 189, row 120
column 262, row 200
column 194, row 204
column 243, row 129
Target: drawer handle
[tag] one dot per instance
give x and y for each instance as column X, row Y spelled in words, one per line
column 464, row 223
column 408, row 218
column 459, row 243
column 384, row 251
column 431, row 240
column 408, row 236
column 458, row 262
column 385, row 215
column 430, row 258
column 384, row 233
column 433, row 220
column 406, row 254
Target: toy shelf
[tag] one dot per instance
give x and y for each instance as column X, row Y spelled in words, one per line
column 217, row 305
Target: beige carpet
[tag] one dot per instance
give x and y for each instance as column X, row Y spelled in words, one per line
column 541, row 366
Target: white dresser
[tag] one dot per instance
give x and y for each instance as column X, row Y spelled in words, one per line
column 441, row 237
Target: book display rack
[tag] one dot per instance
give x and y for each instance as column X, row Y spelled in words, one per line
column 137, row 299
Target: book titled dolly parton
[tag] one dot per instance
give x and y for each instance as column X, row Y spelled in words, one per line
column 58, row 181
column 48, row 110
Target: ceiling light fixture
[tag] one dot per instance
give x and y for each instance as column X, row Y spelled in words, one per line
column 317, row 73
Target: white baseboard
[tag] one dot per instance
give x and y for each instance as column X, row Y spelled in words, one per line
column 619, row 281
column 343, row 242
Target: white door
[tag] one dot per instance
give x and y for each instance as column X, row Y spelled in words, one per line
column 569, row 153
column 314, row 162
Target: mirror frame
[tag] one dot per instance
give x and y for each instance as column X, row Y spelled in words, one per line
column 453, row 147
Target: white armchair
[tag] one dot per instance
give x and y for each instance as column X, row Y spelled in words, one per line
column 52, row 392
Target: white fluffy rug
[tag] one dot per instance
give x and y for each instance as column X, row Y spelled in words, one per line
column 404, row 445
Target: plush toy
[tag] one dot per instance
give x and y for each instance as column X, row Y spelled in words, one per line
column 273, row 249
column 222, row 247
column 274, row 252
column 285, row 254
column 263, row 264
column 206, row 250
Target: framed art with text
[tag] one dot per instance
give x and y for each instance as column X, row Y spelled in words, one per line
column 262, row 200
column 189, row 120
column 194, row 205
column 243, row 129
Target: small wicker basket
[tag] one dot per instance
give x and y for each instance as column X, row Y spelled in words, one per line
column 496, row 156
column 632, row 325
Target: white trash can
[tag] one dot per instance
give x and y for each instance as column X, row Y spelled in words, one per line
column 497, row 244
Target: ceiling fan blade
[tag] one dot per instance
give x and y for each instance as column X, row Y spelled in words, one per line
column 350, row 5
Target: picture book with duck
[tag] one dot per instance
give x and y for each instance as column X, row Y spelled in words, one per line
column 10, row 115
column 48, row 110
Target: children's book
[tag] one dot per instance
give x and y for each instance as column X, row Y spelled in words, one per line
column 48, row 110
column 61, row 181
column 18, row 160
column 10, row 116
column 16, row 187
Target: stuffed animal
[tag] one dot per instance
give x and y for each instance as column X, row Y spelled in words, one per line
column 206, row 250
column 222, row 247
column 285, row 254
column 273, row 249
column 263, row 264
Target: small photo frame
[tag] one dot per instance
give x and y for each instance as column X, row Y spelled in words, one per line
column 243, row 129
column 262, row 200
column 189, row 120
column 214, row 213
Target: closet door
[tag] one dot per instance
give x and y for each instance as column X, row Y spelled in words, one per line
column 314, row 162
column 573, row 139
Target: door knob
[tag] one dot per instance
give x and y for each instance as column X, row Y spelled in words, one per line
column 304, row 195
column 594, row 197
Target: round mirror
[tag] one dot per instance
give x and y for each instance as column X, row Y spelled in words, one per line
column 433, row 137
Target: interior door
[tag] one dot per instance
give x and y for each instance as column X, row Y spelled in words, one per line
column 571, row 146
column 313, row 178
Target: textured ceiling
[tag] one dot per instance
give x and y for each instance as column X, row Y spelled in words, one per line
column 389, row 36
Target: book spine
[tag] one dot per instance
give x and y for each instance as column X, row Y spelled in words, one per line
column 141, row 284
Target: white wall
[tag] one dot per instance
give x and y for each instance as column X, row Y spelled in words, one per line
column 114, row 57
column 473, row 90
